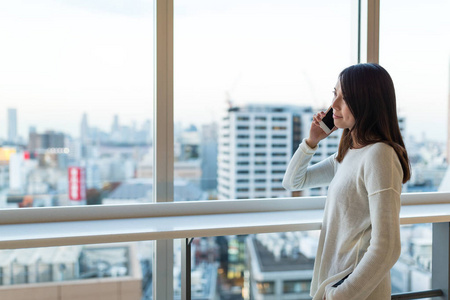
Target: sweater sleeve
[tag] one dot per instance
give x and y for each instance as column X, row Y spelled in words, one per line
column 383, row 179
column 299, row 176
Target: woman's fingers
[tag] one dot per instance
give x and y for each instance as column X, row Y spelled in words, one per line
column 318, row 117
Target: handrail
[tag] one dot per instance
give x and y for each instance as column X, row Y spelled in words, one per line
column 417, row 295
column 148, row 210
column 57, row 226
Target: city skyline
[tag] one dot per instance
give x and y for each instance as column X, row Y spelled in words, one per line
column 105, row 65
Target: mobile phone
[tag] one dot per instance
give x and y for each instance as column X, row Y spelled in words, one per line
column 327, row 123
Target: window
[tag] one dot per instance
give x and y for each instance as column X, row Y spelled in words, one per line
column 278, row 154
column 195, row 145
column 423, row 36
column 253, row 92
column 243, row 145
column 279, row 145
column 266, row 287
column 296, row 286
column 279, row 119
column 77, row 103
column 243, row 136
column 278, row 171
column 279, row 137
column 243, row 154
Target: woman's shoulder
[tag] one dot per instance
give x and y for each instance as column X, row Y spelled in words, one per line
column 380, row 152
column 380, row 147
column 376, row 151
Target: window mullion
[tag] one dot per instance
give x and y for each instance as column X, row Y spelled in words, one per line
column 373, row 30
column 163, row 141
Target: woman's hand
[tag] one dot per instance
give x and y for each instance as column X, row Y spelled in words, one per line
column 316, row 134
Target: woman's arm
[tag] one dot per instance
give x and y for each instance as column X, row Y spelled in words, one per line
column 299, row 176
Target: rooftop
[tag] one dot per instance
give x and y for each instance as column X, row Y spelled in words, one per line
column 269, row 261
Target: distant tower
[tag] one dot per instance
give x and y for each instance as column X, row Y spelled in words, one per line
column 84, row 128
column 12, row 125
column 115, row 126
column 115, row 130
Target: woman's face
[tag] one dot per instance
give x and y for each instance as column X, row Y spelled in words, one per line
column 343, row 118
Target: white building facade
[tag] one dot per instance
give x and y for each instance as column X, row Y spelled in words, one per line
column 256, row 143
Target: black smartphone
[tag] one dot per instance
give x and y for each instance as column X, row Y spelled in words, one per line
column 327, row 123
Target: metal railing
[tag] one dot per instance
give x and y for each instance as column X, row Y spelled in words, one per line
column 418, row 295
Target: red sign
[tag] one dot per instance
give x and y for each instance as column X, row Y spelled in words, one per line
column 77, row 187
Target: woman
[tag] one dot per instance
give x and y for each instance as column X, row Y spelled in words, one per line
column 360, row 237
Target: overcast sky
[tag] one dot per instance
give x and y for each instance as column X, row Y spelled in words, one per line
column 61, row 58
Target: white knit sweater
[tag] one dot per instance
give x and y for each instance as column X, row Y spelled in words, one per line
column 360, row 230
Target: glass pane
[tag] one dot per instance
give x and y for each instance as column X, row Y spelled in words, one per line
column 76, row 88
column 415, row 48
column 278, row 265
column 412, row 272
column 104, row 271
column 248, row 76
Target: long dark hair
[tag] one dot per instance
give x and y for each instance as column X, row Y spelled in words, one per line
column 369, row 93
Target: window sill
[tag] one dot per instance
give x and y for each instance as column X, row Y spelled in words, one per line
column 24, row 228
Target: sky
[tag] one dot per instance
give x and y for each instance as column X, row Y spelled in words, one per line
column 62, row 58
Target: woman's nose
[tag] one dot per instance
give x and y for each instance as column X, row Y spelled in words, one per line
column 333, row 104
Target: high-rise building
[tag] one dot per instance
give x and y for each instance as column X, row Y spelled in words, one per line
column 208, row 156
column 84, row 128
column 256, row 143
column 12, row 125
column 50, row 139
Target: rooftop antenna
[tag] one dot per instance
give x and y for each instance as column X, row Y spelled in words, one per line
column 312, row 90
column 228, row 93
